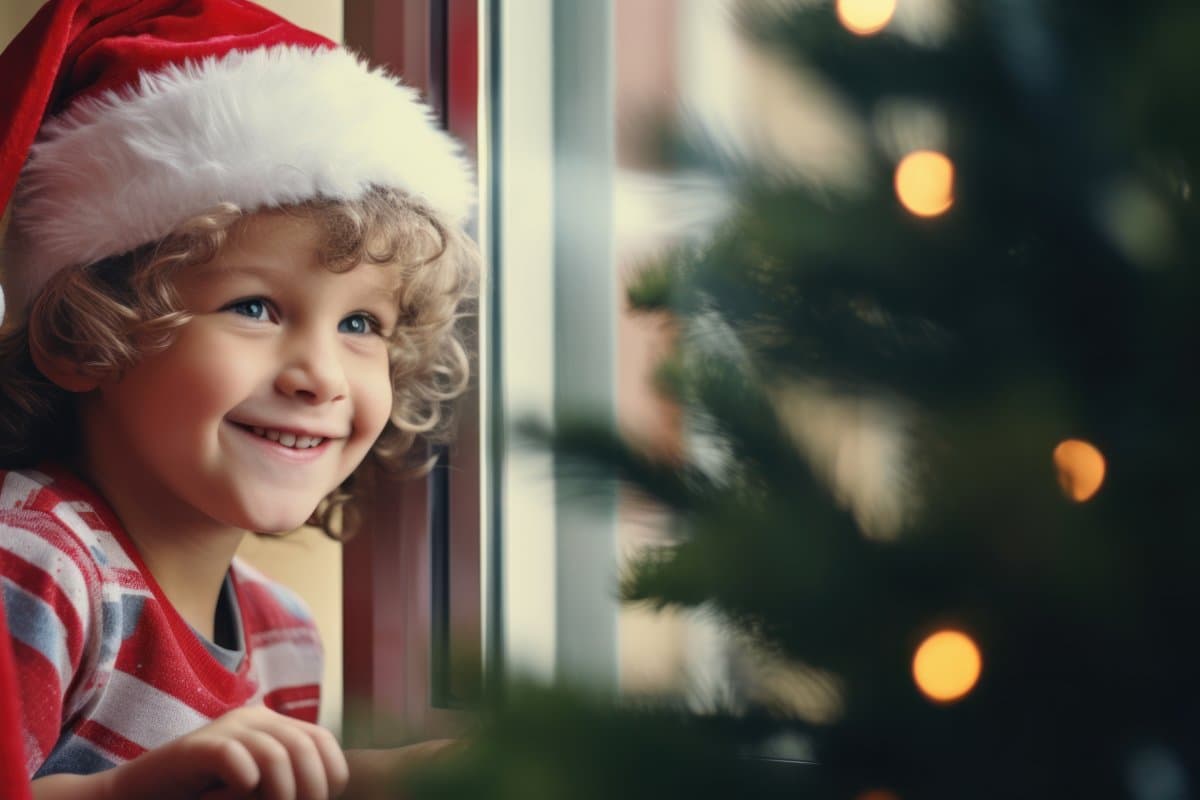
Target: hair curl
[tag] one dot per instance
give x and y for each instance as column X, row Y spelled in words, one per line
column 108, row 315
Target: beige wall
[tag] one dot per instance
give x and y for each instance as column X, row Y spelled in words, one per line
column 322, row 16
column 306, row 561
column 13, row 16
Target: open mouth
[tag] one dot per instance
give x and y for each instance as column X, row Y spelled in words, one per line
column 285, row 438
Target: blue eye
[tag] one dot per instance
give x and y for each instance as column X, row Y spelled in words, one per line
column 254, row 307
column 358, row 324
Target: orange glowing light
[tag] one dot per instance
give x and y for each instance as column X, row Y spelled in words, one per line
column 947, row 666
column 1080, row 469
column 925, row 183
column 877, row 794
column 865, row 17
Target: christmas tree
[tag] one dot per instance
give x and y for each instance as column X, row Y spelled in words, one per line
column 1018, row 287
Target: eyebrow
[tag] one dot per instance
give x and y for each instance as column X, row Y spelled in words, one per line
column 254, row 270
column 392, row 296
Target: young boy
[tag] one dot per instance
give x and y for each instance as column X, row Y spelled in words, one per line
column 234, row 271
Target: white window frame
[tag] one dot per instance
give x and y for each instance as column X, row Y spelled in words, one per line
column 548, row 313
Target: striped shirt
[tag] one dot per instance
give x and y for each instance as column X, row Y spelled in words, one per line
column 107, row 668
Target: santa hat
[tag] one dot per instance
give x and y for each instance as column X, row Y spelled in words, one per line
column 120, row 119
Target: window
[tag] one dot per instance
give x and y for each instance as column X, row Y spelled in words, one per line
column 411, row 580
column 490, row 561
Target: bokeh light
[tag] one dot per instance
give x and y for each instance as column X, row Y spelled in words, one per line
column 865, row 17
column 877, row 794
column 1080, row 469
column 925, row 183
column 947, row 666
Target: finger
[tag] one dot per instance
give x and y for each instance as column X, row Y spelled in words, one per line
column 226, row 793
column 429, row 751
column 436, row 749
column 235, row 767
column 318, row 763
column 337, row 772
column 188, row 767
column 277, row 781
column 329, row 756
column 308, row 766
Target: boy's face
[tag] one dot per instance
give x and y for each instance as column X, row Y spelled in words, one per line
column 269, row 396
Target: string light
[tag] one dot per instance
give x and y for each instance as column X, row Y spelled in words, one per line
column 1080, row 469
column 865, row 17
column 947, row 665
column 925, row 183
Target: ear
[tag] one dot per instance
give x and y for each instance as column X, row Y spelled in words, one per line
column 64, row 371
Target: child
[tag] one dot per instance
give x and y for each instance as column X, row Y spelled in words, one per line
column 233, row 272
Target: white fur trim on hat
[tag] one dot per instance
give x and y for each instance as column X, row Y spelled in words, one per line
column 262, row 128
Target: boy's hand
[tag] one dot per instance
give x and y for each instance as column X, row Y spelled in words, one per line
column 247, row 753
column 374, row 774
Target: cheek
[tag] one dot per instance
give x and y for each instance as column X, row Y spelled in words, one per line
column 201, row 385
column 182, row 389
column 374, row 399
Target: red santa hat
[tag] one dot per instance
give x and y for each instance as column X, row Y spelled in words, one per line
column 120, row 119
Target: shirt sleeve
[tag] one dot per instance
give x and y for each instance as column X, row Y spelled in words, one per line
column 52, row 594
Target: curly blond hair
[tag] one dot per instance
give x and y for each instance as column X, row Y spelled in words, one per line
column 106, row 316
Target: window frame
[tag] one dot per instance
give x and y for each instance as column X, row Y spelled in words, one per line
column 550, row 577
column 487, row 558
column 412, row 576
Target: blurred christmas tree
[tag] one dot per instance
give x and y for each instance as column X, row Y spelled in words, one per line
column 1020, row 285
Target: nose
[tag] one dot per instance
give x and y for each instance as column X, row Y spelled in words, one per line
column 311, row 369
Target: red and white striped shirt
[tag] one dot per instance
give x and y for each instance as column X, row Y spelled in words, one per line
column 107, row 668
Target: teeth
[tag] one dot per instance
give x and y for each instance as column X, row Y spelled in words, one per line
column 288, row 439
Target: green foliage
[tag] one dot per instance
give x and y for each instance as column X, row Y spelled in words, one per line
column 564, row 743
column 1055, row 299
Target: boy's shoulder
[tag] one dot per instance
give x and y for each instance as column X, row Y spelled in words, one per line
column 45, row 514
column 25, row 488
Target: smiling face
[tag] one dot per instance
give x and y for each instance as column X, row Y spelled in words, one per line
column 266, row 400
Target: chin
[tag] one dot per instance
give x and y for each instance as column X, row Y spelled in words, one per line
column 278, row 521
column 275, row 526
column 268, row 510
